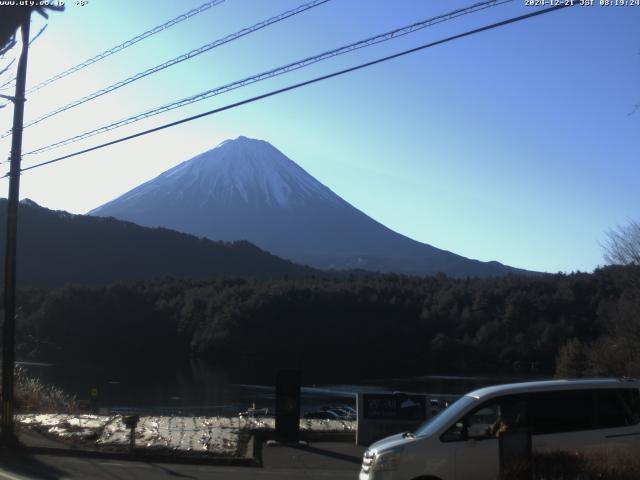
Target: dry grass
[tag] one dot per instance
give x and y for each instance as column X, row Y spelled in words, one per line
column 31, row 395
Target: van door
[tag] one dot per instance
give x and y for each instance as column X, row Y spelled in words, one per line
column 477, row 450
column 477, row 459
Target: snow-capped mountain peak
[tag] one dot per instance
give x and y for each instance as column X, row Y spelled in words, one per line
column 243, row 168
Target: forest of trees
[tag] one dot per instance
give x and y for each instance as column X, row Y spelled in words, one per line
column 387, row 324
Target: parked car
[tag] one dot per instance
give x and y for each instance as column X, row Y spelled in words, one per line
column 256, row 413
column 352, row 411
column 341, row 412
column 323, row 415
column 462, row 442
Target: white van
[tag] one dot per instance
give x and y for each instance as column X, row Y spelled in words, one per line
column 461, row 443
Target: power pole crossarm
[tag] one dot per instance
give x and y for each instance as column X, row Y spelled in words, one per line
column 8, row 327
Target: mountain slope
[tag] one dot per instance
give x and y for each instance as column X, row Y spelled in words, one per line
column 247, row 189
column 55, row 248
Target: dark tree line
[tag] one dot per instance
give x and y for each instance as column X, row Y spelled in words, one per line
column 385, row 324
column 57, row 248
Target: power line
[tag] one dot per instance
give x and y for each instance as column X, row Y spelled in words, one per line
column 176, row 60
column 11, row 42
column 40, row 32
column 273, row 72
column 168, row 24
column 5, row 69
column 302, row 84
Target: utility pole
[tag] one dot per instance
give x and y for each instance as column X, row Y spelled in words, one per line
column 9, row 326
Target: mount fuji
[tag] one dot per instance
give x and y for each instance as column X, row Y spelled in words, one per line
column 246, row 189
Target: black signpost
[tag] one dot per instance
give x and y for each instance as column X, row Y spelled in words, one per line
column 288, row 406
column 131, row 422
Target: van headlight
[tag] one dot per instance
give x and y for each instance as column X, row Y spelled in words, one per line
column 387, row 460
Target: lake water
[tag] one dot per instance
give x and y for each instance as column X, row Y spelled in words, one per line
column 199, row 389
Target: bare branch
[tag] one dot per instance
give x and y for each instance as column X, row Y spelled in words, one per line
column 622, row 246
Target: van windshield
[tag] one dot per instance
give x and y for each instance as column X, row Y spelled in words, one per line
column 446, row 417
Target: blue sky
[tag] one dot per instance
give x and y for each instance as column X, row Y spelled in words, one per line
column 514, row 145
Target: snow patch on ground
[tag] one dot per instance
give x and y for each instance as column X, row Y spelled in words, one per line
column 214, row 435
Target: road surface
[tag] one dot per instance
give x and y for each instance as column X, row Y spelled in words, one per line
column 319, row 461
